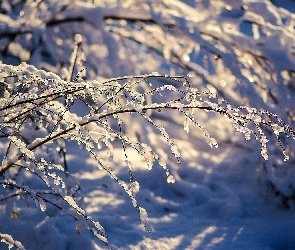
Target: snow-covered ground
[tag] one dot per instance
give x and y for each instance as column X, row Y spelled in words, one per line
column 215, row 203
column 219, row 199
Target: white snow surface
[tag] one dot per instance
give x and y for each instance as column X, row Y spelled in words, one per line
column 215, row 203
column 217, row 200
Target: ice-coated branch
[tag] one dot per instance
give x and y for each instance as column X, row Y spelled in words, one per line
column 35, row 112
column 6, row 238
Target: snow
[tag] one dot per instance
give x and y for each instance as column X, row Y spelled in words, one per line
column 213, row 204
column 199, row 190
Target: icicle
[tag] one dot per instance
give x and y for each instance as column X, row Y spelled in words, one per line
column 99, row 227
column 186, row 124
column 213, row 143
column 80, row 226
column 162, row 163
column 263, row 141
column 145, row 220
column 264, row 153
column 78, row 38
column 170, row 179
column 73, row 203
column 286, row 157
column 42, row 204
column 134, row 188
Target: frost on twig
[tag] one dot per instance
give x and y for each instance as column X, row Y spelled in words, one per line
column 35, row 114
column 6, row 238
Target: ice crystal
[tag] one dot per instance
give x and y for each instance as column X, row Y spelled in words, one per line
column 277, row 129
column 257, row 119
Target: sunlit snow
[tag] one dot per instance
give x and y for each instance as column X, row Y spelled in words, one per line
column 204, row 186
